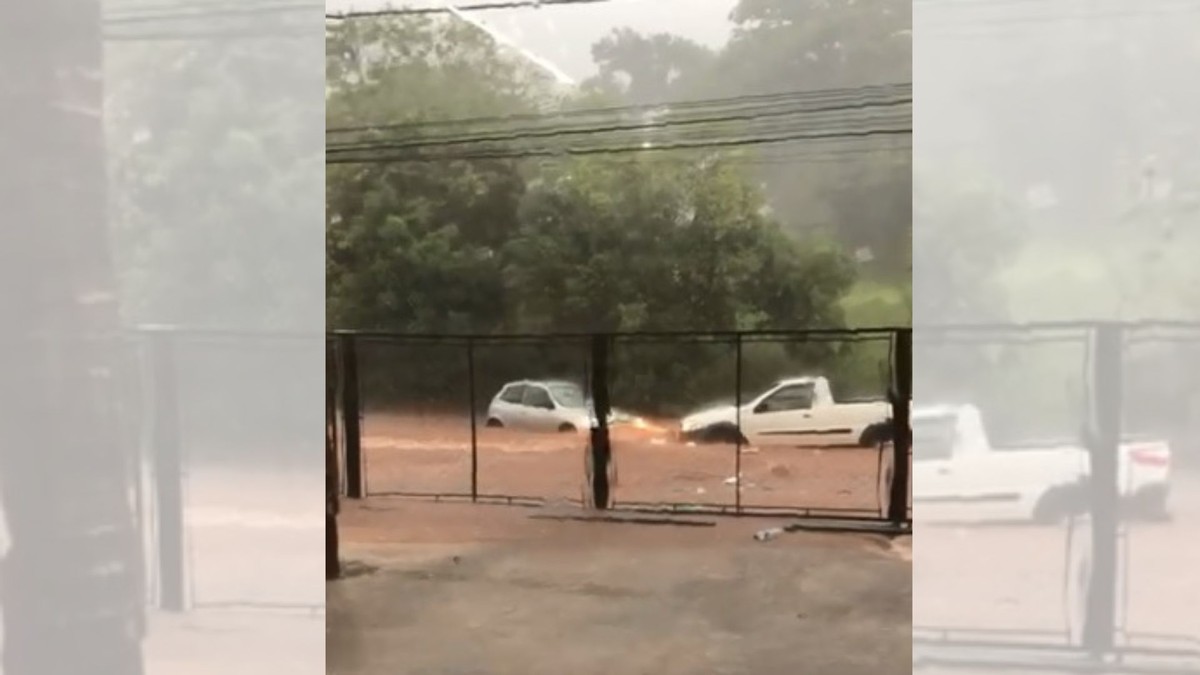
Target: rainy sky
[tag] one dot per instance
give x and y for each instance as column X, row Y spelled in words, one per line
column 564, row 35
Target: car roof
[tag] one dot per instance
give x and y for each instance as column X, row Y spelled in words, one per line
column 544, row 383
column 803, row 379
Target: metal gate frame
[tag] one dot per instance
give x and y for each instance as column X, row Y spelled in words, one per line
column 894, row 517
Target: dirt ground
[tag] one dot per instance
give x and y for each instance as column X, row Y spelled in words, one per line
column 456, row 588
column 433, row 454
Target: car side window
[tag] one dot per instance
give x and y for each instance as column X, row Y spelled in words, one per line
column 537, row 397
column 513, row 394
column 798, row 397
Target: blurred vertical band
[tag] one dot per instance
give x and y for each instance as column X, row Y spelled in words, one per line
column 73, row 575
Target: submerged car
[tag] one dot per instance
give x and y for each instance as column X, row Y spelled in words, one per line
column 544, row 405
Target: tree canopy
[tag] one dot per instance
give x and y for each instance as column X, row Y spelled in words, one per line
column 629, row 241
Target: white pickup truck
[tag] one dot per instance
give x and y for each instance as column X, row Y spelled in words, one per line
column 799, row 411
column 958, row 475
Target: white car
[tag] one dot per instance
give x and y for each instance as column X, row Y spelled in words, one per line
column 799, row 411
column 959, row 475
column 549, row 405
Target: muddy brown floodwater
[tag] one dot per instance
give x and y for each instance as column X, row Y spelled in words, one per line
column 406, row 453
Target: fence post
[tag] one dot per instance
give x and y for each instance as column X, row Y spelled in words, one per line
column 600, row 447
column 167, row 455
column 1100, row 623
column 474, row 422
column 333, row 565
column 737, row 407
column 351, row 417
column 902, row 427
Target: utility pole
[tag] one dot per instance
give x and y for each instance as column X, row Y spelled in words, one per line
column 72, row 580
column 600, row 446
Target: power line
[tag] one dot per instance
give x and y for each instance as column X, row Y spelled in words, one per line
column 830, row 125
column 166, row 12
column 474, row 7
column 903, row 90
column 216, row 35
column 577, row 152
column 206, row 21
column 897, row 154
column 634, row 127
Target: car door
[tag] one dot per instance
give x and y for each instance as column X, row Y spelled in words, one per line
column 508, row 409
column 783, row 417
column 967, row 481
column 937, row 490
column 538, row 408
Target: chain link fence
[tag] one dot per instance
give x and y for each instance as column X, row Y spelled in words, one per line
column 793, row 423
column 1065, row 450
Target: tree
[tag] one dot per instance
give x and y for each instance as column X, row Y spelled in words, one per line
column 654, row 241
column 634, row 245
column 199, row 131
column 964, row 235
column 856, row 192
column 1083, row 112
column 640, row 244
column 647, row 69
column 436, row 226
column 818, row 44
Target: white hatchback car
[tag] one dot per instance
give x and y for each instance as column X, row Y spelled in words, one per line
column 541, row 406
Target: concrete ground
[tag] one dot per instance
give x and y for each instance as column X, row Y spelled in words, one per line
column 444, row 589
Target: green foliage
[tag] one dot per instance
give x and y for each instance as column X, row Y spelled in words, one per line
column 198, row 133
column 215, row 157
column 647, row 69
column 966, row 232
column 660, row 242
column 619, row 245
column 859, row 194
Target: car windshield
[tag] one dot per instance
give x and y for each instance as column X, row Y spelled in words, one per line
column 567, row 395
column 933, row 437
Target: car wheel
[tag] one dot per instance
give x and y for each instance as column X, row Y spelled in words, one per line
column 1055, row 506
column 494, row 423
column 721, row 433
column 1150, row 504
column 875, row 434
column 566, row 428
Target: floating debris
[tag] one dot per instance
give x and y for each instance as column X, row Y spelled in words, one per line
column 768, row 534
